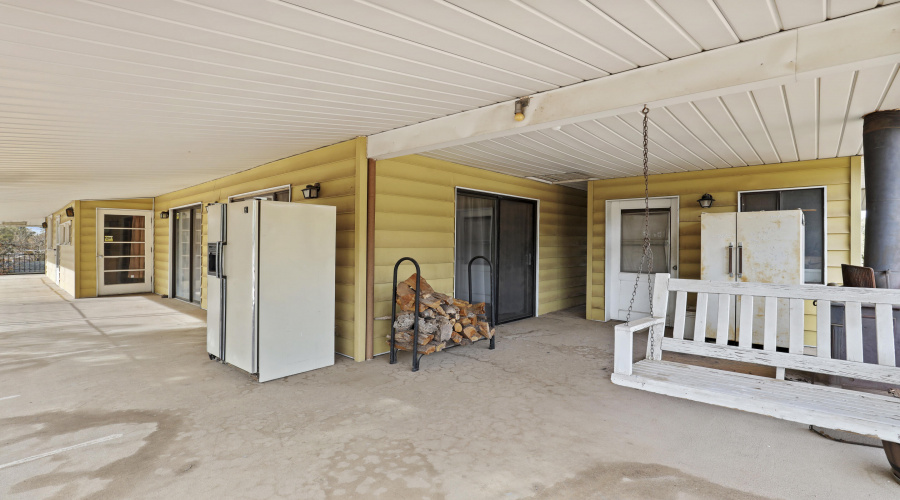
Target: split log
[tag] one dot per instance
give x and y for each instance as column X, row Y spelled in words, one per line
column 444, row 329
column 430, row 348
column 426, row 288
column 470, row 332
column 457, row 327
column 456, row 337
column 407, row 337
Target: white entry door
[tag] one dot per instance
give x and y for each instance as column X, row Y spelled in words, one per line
column 124, row 251
column 624, row 247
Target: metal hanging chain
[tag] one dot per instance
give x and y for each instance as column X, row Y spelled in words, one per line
column 646, row 251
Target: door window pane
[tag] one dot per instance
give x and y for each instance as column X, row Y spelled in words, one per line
column 123, row 221
column 474, row 236
column 182, row 246
column 123, row 249
column 123, row 263
column 123, row 235
column 122, row 277
column 632, row 242
column 515, row 263
column 758, row 202
column 198, row 253
column 812, row 202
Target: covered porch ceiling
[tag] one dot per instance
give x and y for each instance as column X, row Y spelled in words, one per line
column 127, row 98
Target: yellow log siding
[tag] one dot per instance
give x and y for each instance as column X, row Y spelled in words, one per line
column 840, row 176
column 337, row 168
column 414, row 217
column 87, row 251
column 68, row 262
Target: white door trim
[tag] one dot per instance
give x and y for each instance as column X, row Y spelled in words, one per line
column 148, row 252
column 613, row 226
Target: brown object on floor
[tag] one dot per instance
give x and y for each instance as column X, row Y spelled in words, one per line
column 443, row 320
column 858, row 276
column 892, row 450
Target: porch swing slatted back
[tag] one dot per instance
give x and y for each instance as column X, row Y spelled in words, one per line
column 748, row 293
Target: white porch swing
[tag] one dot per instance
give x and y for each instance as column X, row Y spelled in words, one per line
column 825, row 406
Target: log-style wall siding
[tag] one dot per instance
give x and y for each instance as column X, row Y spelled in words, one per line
column 414, row 217
column 68, row 262
column 87, row 248
column 337, row 168
column 841, row 176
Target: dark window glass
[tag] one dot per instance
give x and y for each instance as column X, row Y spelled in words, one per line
column 758, row 202
column 283, row 195
column 633, row 240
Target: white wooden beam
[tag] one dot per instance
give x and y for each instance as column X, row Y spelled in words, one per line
column 858, row 41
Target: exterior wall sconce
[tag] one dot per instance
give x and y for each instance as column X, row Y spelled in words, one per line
column 44, row 225
column 70, row 211
column 521, row 104
column 311, row 191
column 706, row 200
column 164, row 214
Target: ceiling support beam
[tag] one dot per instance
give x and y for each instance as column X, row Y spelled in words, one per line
column 854, row 42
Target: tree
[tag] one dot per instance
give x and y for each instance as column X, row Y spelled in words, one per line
column 15, row 239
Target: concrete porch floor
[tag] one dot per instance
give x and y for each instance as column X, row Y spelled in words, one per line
column 123, row 386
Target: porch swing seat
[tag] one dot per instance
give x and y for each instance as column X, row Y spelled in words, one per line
column 825, row 406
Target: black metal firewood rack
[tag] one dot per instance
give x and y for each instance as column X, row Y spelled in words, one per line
column 416, row 357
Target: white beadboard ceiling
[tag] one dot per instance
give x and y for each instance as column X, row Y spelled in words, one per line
column 129, row 98
column 806, row 120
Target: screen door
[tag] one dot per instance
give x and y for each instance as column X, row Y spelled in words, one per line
column 124, row 251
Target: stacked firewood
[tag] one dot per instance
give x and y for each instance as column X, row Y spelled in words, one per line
column 443, row 320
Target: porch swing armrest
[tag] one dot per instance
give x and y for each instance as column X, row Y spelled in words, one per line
column 624, row 341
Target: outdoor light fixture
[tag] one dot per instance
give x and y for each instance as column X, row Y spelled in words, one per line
column 311, row 191
column 70, row 211
column 521, row 104
column 706, row 200
column 44, row 225
column 164, row 214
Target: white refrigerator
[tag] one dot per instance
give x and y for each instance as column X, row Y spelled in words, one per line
column 270, row 288
column 761, row 247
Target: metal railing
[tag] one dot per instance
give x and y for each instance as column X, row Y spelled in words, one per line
column 21, row 261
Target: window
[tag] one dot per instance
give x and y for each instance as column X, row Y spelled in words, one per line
column 64, row 236
column 812, row 202
column 281, row 193
column 632, row 240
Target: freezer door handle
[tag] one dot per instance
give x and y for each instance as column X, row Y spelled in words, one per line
column 220, row 266
column 730, row 251
column 740, row 260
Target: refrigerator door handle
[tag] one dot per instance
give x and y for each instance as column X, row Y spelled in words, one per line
column 220, row 266
column 223, row 291
column 730, row 251
column 740, row 259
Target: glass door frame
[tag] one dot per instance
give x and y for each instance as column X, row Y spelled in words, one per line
column 147, row 285
column 173, row 241
column 536, row 258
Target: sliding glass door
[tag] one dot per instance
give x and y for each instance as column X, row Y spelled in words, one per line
column 187, row 254
column 502, row 229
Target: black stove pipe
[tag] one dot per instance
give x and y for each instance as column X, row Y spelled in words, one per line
column 881, row 143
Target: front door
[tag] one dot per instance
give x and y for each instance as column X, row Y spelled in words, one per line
column 504, row 230
column 624, row 249
column 124, row 251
